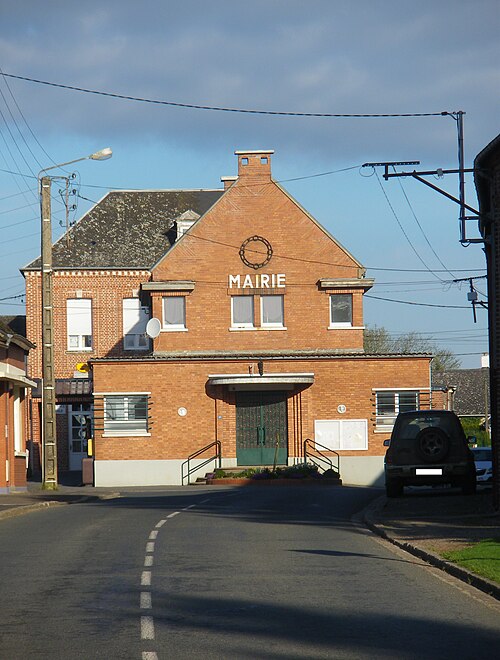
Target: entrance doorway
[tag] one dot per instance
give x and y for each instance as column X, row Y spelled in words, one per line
column 261, row 428
column 78, row 433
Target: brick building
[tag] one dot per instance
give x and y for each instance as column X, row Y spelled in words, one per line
column 259, row 341
column 14, row 350
column 487, row 180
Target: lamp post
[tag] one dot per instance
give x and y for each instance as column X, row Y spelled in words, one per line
column 49, row 434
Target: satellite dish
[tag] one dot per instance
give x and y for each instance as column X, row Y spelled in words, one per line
column 153, row 328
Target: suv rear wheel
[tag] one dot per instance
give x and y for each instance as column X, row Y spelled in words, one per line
column 469, row 486
column 393, row 489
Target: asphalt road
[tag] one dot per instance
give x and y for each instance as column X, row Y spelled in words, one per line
column 256, row 572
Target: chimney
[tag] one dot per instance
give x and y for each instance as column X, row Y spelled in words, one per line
column 254, row 164
column 228, row 181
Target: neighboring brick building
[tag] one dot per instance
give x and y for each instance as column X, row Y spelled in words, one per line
column 487, row 180
column 260, row 334
column 14, row 350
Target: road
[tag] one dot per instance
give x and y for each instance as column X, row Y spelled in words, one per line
column 209, row 572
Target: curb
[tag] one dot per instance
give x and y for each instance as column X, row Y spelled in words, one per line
column 23, row 509
column 483, row 584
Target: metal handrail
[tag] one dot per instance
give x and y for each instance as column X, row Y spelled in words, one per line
column 318, row 458
column 190, row 470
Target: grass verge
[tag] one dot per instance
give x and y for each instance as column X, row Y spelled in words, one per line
column 482, row 558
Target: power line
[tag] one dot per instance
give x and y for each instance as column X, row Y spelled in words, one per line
column 403, row 230
column 408, row 302
column 419, row 225
column 25, row 122
column 222, row 108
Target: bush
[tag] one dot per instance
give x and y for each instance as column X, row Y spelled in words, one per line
column 475, row 426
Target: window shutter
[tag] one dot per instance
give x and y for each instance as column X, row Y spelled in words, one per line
column 79, row 316
column 135, row 317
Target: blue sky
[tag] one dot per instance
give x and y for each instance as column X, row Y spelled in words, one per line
column 318, row 56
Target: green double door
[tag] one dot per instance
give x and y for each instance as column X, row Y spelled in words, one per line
column 261, row 428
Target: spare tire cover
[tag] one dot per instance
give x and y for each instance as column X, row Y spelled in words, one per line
column 433, row 444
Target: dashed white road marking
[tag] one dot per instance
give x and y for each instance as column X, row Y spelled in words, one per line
column 147, row 622
column 146, row 603
column 147, row 627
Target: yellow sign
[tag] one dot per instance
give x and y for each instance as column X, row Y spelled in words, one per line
column 83, row 367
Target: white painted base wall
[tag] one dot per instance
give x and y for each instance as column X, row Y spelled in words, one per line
column 362, row 470
column 354, row 471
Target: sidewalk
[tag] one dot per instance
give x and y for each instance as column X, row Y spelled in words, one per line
column 69, row 492
column 426, row 523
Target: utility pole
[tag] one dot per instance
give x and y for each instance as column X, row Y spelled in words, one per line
column 49, row 433
column 49, row 430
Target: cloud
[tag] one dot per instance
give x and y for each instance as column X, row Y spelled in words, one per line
column 340, row 57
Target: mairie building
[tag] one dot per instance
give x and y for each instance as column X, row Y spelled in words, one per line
column 228, row 319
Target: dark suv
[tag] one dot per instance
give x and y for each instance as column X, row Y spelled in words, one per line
column 428, row 447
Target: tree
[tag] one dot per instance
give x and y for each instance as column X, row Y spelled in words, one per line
column 378, row 340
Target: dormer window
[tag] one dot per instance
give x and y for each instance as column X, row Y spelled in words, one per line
column 185, row 221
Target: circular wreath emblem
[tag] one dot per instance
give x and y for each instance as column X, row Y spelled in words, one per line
column 252, row 249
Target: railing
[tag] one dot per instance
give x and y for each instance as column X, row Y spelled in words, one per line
column 185, row 474
column 318, row 458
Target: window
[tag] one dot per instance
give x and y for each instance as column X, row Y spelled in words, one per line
column 242, row 312
column 126, row 415
column 389, row 404
column 135, row 318
column 79, row 321
column 337, row 434
column 272, row 311
column 341, row 310
column 174, row 313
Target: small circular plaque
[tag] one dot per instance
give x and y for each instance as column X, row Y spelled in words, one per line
column 341, row 409
column 182, row 412
column 256, row 252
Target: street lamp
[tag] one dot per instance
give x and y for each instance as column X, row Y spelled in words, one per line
column 49, row 435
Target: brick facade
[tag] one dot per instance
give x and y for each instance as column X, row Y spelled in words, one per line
column 14, row 417
column 254, row 241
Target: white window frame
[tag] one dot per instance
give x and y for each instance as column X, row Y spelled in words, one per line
column 79, row 324
column 385, row 421
column 124, row 425
column 134, row 330
column 340, row 324
column 335, row 434
column 174, row 327
column 263, row 324
column 242, row 326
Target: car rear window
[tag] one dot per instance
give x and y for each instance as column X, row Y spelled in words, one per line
column 410, row 427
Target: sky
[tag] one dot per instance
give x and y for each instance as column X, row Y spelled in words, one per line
column 330, row 57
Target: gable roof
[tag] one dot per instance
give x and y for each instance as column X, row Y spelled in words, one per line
column 129, row 229
column 469, row 387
